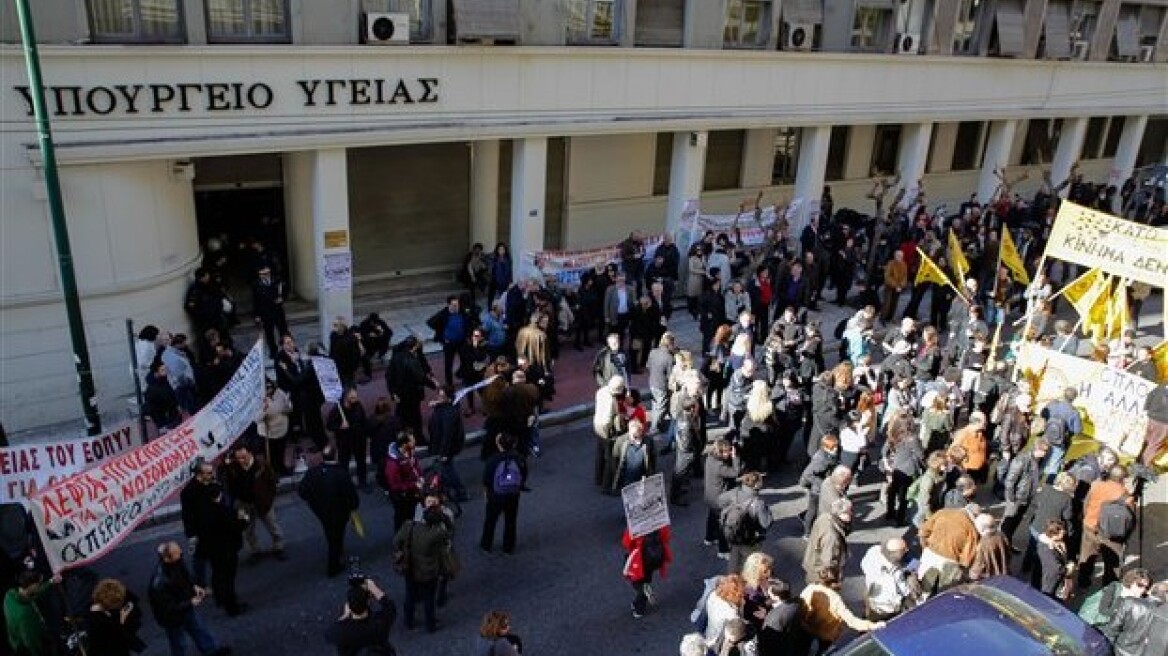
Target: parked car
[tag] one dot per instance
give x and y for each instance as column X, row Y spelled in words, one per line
column 1001, row 615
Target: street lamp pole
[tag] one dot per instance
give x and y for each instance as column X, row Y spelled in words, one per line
column 60, row 228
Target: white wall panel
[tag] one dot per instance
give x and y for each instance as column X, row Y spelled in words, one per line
column 611, row 167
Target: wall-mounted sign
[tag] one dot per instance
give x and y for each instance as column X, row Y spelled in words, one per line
column 103, row 100
column 336, row 238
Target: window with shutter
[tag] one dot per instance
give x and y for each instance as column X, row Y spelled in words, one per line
column 1010, row 25
column 1057, row 30
column 1127, row 32
column 660, row 23
column 495, row 20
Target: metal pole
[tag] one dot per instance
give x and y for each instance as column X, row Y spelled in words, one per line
column 134, row 367
column 60, row 228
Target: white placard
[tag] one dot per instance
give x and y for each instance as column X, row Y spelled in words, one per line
column 645, row 507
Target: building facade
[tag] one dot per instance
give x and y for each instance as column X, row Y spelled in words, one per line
column 540, row 123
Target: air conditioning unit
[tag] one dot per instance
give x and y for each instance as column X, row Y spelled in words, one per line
column 908, row 43
column 387, row 29
column 1147, row 53
column 799, row 36
column 1079, row 50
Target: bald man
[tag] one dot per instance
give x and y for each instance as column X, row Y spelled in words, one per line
column 175, row 598
column 889, row 588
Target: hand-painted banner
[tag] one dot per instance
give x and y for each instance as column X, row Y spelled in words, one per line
column 645, row 506
column 84, row 516
column 566, row 267
column 1111, row 400
column 27, row 468
column 328, row 378
column 1122, row 248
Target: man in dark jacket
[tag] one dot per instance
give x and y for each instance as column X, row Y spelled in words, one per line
column 267, row 295
column 364, row 625
column 252, row 484
column 1131, row 626
column 375, row 337
column 348, row 423
column 328, row 489
column 195, row 502
column 502, row 494
column 610, row 361
column 722, row 469
column 660, row 365
column 447, row 437
column 220, row 544
column 345, row 349
column 825, row 459
column 174, row 598
column 1022, row 480
column 204, row 304
column 744, row 519
column 826, row 411
column 423, row 545
column 407, row 377
column 161, row 403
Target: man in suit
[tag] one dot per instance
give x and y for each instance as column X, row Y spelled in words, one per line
column 619, row 300
column 268, row 305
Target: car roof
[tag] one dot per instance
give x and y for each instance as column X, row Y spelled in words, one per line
column 999, row 616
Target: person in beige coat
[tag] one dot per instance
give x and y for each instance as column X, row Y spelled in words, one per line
column 274, row 425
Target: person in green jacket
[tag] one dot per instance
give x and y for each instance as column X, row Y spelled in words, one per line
column 27, row 633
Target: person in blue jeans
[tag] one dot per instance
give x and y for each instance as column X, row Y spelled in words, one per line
column 175, row 599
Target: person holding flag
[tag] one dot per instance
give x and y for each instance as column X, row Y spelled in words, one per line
column 957, row 256
column 929, row 272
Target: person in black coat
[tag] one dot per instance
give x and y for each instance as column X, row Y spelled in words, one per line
column 348, row 423
column 823, row 461
column 721, row 472
column 903, row 461
column 220, row 543
column 375, row 337
column 160, row 401
column 113, row 621
column 782, row 632
column 328, row 489
column 711, row 311
column 407, row 377
column 1051, row 503
column 1054, row 568
column 174, row 598
column 790, row 406
column 267, row 295
column 346, row 351
column 447, row 439
column 195, row 502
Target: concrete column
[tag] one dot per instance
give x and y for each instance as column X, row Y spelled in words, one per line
column 758, row 158
column 528, row 190
column 1070, row 147
column 484, row 193
column 997, row 155
column 809, row 175
column 685, row 175
column 316, row 195
column 914, row 154
column 1125, row 154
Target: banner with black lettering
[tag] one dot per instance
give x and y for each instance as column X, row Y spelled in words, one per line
column 85, row 515
column 27, row 468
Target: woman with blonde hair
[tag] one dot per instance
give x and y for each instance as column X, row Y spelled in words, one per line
column 756, row 572
column 495, row 637
column 759, row 428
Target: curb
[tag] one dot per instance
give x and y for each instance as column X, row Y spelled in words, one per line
column 171, row 512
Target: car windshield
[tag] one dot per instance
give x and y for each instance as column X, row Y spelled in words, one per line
column 866, row 646
column 1059, row 643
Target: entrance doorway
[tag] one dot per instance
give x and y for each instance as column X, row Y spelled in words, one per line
column 239, row 202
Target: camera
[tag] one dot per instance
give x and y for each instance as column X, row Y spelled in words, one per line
column 357, row 576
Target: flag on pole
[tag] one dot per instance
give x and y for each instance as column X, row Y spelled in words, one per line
column 957, row 257
column 1012, row 259
column 930, row 272
column 1117, row 312
column 1160, row 357
column 1097, row 319
column 1082, row 292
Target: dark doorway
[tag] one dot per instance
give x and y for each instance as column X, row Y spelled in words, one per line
column 232, row 219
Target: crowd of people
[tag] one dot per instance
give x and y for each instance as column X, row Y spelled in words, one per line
column 925, row 404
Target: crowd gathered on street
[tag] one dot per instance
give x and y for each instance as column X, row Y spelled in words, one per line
column 983, row 479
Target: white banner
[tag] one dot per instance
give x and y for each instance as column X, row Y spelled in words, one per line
column 645, row 506
column 84, row 516
column 566, row 267
column 27, row 468
column 1117, row 246
column 329, row 379
column 461, row 394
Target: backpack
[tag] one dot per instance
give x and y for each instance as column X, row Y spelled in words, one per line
column 738, row 522
column 1117, row 520
column 652, row 551
column 508, row 479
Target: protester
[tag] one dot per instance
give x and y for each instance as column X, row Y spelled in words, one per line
column 175, row 599
column 496, row 637
column 252, row 484
column 419, row 547
column 364, row 624
column 113, row 621
column 648, row 554
column 403, row 473
column 328, row 489
column 720, row 474
column 502, row 480
column 27, row 631
column 826, row 614
column 744, row 519
column 348, row 423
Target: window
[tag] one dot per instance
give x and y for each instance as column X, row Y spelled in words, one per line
column 723, row 160
column 421, row 29
column 663, row 164
column 871, row 28
column 660, row 23
column 837, row 153
column 747, row 23
column 965, row 29
column 1084, row 18
column 1042, row 137
column 593, row 21
column 886, row 149
column 247, row 20
column 966, row 145
column 144, row 21
column 786, row 156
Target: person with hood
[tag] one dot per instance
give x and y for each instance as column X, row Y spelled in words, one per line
column 422, row 545
column 328, row 489
column 648, row 554
column 744, row 519
column 404, row 475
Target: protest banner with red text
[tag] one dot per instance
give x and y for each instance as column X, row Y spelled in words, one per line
column 85, row 515
column 27, row 468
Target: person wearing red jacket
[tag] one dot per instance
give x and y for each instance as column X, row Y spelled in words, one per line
column 647, row 554
column 404, row 475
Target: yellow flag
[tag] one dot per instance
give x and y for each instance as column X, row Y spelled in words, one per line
column 1096, row 320
column 957, row 257
column 1160, row 357
column 1083, row 291
column 930, row 272
column 358, row 523
column 1117, row 312
column 1012, row 259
